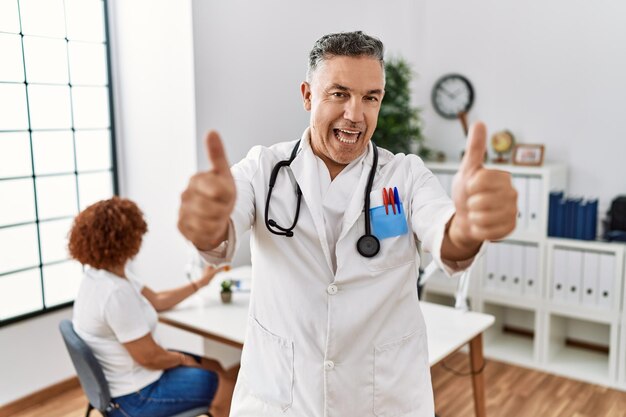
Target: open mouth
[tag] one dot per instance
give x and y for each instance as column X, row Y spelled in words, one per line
column 347, row 136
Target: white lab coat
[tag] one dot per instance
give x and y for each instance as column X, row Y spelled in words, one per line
column 349, row 343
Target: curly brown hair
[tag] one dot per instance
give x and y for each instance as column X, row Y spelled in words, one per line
column 107, row 234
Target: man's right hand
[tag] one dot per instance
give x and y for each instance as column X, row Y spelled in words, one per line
column 209, row 200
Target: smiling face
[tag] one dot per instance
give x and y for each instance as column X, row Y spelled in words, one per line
column 343, row 96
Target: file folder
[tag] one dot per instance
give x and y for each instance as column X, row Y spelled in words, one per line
column 590, row 278
column 553, row 203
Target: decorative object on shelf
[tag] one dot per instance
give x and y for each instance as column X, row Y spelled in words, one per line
column 529, row 155
column 440, row 156
column 502, row 143
column 399, row 125
column 452, row 98
column 572, row 218
column 227, row 292
column 615, row 222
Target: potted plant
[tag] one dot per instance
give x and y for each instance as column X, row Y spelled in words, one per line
column 399, row 126
column 227, row 292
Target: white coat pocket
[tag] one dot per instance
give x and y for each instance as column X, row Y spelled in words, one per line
column 268, row 365
column 397, row 247
column 401, row 374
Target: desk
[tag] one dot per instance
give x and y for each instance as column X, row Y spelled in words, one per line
column 447, row 329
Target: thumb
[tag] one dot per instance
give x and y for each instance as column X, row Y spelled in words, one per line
column 215, row 152
column 475, row 148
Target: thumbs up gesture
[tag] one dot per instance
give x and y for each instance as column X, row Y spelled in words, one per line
column 485, row 200
column 209, row 200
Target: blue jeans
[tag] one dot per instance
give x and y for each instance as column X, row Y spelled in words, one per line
column 179, row 389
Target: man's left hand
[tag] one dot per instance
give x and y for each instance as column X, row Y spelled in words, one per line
column 485, row 200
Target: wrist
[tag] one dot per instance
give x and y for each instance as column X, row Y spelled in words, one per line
column 458, row 231
column 219, row 237
column 195, row 286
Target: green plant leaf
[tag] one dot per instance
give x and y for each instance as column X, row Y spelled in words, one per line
column 399, row 124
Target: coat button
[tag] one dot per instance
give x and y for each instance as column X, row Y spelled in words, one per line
column 329, row 365
column 332, row 289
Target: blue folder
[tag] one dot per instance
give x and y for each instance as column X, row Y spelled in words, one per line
column 559, row 228
column 571, row 210
column 580, row 218
column 555, row 197
column 591, row 219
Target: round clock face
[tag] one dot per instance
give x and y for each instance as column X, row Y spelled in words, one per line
column 452, row 94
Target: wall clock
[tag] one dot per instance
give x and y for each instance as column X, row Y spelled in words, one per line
column 452, row 96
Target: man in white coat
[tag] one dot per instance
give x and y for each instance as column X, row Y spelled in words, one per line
column 332, row 332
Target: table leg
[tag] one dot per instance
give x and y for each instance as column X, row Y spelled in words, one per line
column 478, row 381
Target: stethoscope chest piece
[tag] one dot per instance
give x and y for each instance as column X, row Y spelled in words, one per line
column 368, row 246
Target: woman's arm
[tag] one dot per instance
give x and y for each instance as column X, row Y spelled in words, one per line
column 147, row 353
column 164, row 300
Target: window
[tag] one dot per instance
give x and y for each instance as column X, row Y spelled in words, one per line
column 57, row 152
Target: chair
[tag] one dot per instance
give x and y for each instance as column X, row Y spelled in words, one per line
column 91, row 376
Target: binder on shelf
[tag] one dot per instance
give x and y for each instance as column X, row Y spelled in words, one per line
column 606, row 280
column 491, row 260
column 504, row 267
column 516, row 262
column 591, row 220
column 559, row 271
column 554, row 199
column 571, row 217
column 531, row 270
column 560, row 219
column 579, row 227
column 571, row 210
column 590, row 278
column 533, row 203
column 574, row 276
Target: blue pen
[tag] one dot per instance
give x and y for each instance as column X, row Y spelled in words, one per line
column 396, row 197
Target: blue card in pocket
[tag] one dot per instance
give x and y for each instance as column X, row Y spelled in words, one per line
column 388, row 225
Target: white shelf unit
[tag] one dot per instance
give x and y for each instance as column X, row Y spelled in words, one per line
column 621, row 359
column 514, row 336
column 584, row 289
column 562, row 356
column 563, row 335
column 442, row 289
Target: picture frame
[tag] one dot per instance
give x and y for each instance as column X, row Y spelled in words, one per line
column 528, row 154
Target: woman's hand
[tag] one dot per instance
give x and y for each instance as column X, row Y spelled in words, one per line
column 208, row 274
column 189, row 361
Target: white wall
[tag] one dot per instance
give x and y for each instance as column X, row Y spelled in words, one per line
column 156, row 126
column 250, row 58
column 33, row 356
column 550, row 71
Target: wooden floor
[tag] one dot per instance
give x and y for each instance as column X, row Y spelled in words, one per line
column 511, row 392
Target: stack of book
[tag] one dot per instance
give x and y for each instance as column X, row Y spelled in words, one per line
column 572, row 217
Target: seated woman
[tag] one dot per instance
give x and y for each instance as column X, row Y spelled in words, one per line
column 117, row 317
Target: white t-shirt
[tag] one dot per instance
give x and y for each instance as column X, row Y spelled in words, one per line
column 336, row 196
column 109, row 311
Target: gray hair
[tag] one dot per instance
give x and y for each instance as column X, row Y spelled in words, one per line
column 344, row 44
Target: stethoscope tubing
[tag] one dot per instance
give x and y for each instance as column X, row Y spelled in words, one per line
column 367, row 245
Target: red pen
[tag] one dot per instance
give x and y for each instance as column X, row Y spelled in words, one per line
column 385, row 201
column 392, row 201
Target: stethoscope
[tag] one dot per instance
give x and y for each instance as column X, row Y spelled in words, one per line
column 367, row 245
